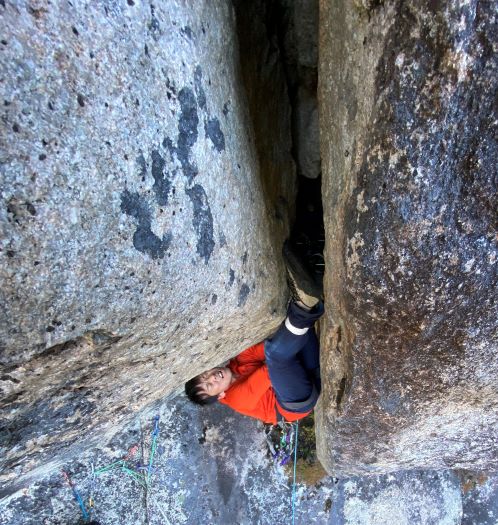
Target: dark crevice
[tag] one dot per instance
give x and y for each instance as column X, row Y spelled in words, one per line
column 308, row 233
column 297, row 31
column 279, row 66
column 265, row 85
column 340, row 392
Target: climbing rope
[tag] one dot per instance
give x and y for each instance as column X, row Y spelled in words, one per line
column 155, row 433
column 90, row 493
column 76, row 495
column 294, row 477
column 138, row 472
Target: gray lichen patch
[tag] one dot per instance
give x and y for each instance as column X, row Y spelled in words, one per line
column 243, row 294
column 187, row 131
column 162, row 179
column 213, row 131
column 202, row 221
column 144, row 240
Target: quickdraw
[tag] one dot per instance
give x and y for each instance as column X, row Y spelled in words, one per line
column 282, row 450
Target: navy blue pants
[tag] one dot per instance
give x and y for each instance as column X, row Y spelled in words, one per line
column 293, row 360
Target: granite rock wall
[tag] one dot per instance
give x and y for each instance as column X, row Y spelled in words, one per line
column 148, row 184
column 297, row 21
column 213, row 466
column 407, row 95
column 265, row 84
column 138, row 246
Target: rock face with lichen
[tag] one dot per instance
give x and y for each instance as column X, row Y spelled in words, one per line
column 137, row 245
column 409, row 156
column 148, row 181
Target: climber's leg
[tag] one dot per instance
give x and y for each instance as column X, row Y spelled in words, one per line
column 291, row 378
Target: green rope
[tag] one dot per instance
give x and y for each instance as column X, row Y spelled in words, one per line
column 142, row 479
column 101, row 470
column 294, row 477
column 152, row 453
column 121, row 463
column 134, row 475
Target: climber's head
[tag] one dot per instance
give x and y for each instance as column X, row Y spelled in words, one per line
column 210, row 386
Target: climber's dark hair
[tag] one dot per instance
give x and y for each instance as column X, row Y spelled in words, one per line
column 197, row 394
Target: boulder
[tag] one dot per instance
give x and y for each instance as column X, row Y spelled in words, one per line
column 137, row 244
column 408, row 127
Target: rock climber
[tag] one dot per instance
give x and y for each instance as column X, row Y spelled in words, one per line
column 279, row 378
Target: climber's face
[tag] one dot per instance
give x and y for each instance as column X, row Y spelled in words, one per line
column 216, row 381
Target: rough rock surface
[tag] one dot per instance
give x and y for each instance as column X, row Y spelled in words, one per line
column 298, row 38
column 408, row 136
column 137, row 247
column 212, row 466
column 269, row 106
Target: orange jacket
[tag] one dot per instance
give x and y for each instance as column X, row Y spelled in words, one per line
column 252, row 393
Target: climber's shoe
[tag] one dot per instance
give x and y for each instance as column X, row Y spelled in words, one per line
column 303, row 287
